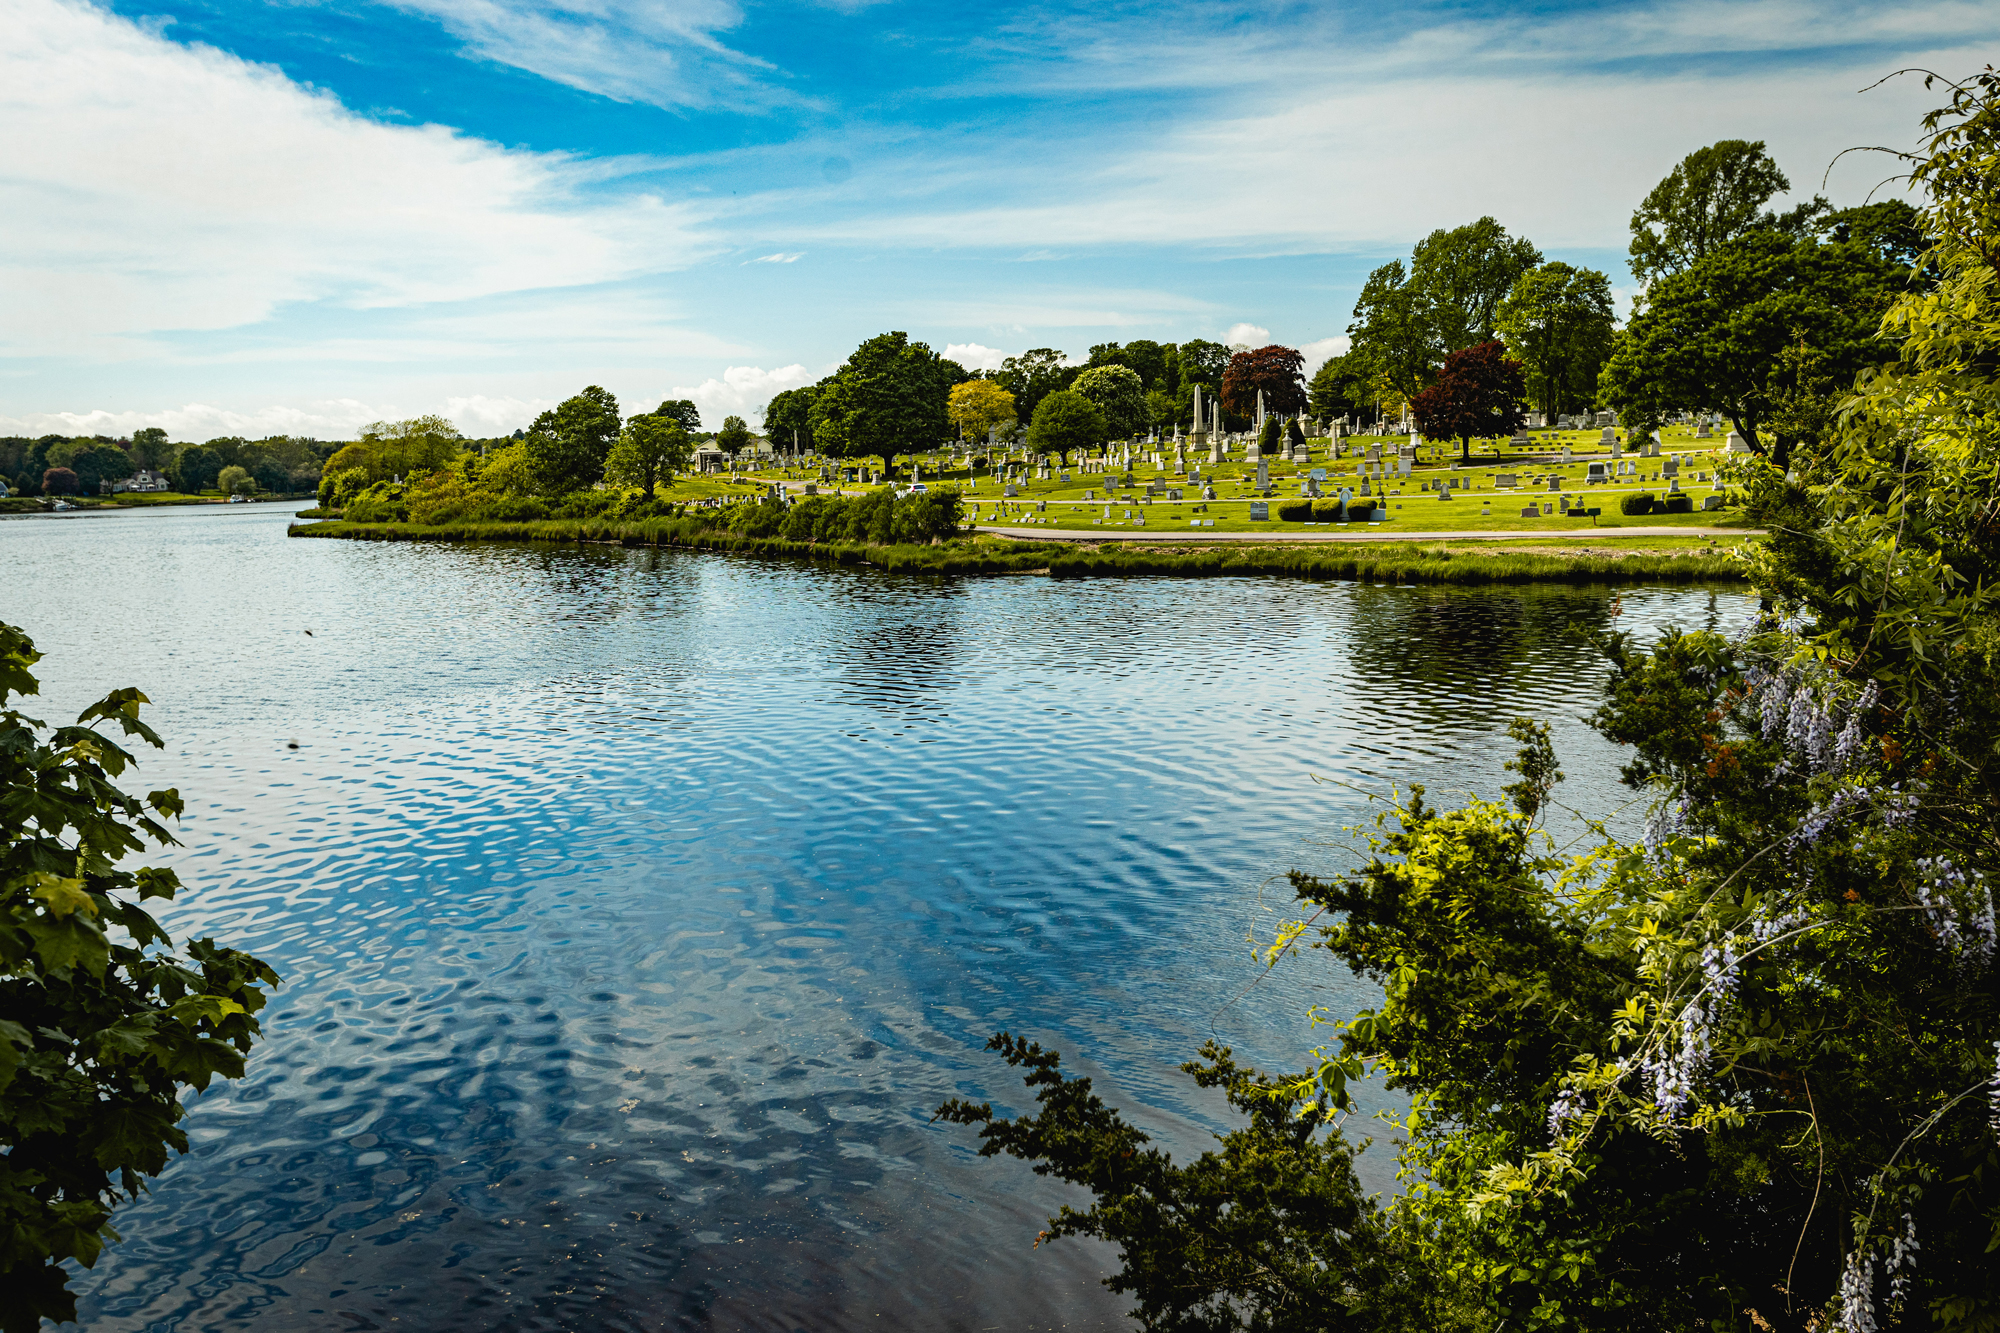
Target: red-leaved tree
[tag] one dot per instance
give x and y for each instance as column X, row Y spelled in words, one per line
column 58, row 481
column 1278, row 371
column 1478, row 392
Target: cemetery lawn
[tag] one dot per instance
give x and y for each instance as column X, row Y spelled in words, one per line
column 1644, row 560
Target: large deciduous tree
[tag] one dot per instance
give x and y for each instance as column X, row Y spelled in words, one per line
column 566, row 447
column 1477, row 393
column 1119, row 394
column 649, row 451
column 1389, row 334
column 1278, row 371
column 1461, row 275
column 734, row 437
column 1066, row 420
column 102, row 1030
column 1714, row 196
column 1202, row 362
column 196, row 469
column 1033, row 375
column 150, row 448
column 1558, row 322
column 889, row 397
column 788, row 418
column 1715, row 336
column 682, row 410
column 1339, row 389
column 977, row 407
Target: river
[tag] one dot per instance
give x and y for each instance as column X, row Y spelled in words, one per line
column 636, row 909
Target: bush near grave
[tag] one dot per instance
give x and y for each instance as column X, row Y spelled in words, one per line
column 1642, row 503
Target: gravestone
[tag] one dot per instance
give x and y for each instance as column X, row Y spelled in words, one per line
column 1566, row 456
column 1010, row 490
column 1520, row 440
column 1259, row 511
column 1555, row 483
column 1507, row 480
column 1531, row 511
column 1702, row 432
column 811, row 489
column 1263, row 475
column 1711, row 502
column 1737, row 444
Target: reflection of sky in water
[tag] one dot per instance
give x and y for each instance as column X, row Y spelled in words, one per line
column 636, row 909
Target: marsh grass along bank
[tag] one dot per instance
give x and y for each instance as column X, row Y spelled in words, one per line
column 1385, row 562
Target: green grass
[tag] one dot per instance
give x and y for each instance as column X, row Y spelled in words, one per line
column 1387, row 562
column 1413, row 510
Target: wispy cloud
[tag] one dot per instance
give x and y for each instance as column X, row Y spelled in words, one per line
column 779, row 258
column 152, row 186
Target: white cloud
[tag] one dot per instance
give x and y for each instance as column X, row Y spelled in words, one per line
column 974, row 357
column 204, row 421
column 742, row 391
column 151, row 186
column 1323, row 350
column 779, row 258
column 1252, row 335
column 632, row 50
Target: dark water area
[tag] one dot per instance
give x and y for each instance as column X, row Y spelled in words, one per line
column 636, row 909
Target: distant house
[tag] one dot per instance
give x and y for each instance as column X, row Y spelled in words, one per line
column 145, row 479
column 708, row 458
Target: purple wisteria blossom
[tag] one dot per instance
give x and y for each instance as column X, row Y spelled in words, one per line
column 1857, row 1294
column 1959, row 906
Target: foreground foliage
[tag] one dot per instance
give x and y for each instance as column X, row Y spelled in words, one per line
column 101, row 1029
column 1740, row 1074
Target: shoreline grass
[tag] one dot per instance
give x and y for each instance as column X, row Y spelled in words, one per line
column 1385, row 562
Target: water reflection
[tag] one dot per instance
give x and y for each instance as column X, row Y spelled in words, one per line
column 636, row 907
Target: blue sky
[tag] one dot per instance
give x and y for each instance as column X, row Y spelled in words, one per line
column 233, row 216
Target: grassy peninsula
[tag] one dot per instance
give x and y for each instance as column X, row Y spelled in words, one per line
column 1555, row 561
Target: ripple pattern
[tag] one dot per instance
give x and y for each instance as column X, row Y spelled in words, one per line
column 636, row 908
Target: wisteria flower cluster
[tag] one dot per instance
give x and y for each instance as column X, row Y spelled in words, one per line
column 1959, row 906
column 1673, row 1068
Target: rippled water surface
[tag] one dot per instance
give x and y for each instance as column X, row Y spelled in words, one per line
column 636, row 909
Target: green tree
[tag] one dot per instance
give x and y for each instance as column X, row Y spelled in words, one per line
column 235, row 480
column 101, row 1029
column 1390, row 335
column 1739, row 1073
column 150, row 448
column 1066, row 420
column 1711, row 199
column 1460, row 278
column 1033, row 375
column 682, row 410
column 788, row 418
column 649, row 451
column 566, row 447
column 1713, row 337
column 889, row 397
column 734, row 437
column 95, row 464
column 1558, row 322
column 195, row 470
column 1119, row 394
column 1202, row 362
column 401, row 448
column 1339, row 389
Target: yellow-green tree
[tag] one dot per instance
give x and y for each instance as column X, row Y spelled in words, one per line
column 978, row 406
